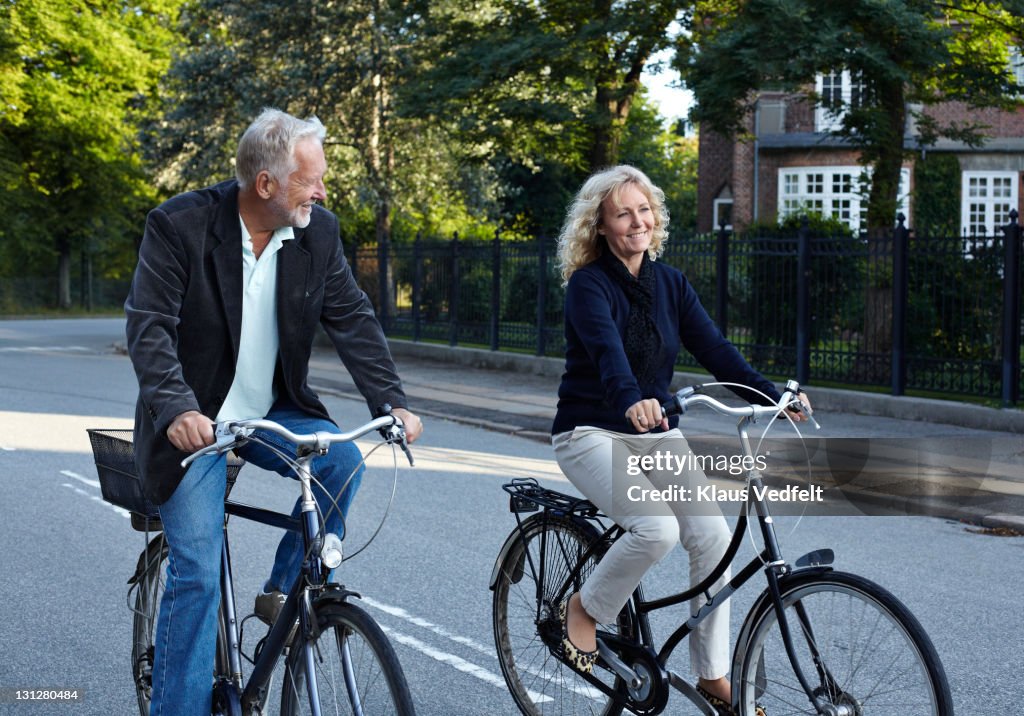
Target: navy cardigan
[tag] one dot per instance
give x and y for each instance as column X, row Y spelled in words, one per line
column 598, row 386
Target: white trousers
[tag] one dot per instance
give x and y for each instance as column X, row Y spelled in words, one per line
column 596, row 462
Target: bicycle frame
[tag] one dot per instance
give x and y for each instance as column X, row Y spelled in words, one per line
column 299, row 602
column 770, row 559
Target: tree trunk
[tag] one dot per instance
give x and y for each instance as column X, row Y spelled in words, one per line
column 63, row 272
column 874, row 363
column 381, row 160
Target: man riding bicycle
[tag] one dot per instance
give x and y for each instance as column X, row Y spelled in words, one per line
column 231, row 283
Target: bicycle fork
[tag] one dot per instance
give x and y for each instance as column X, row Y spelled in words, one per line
column 776, row 567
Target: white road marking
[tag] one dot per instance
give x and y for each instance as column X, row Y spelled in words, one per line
column 580, row 688
column 7, row 449
column 97, row 498
column 456, row 662
column 420, row 622
column 45, row 349
column 81, row 478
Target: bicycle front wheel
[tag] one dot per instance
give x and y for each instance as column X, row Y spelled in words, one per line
column 357, row 670
column 860, row 650
column 526, row 628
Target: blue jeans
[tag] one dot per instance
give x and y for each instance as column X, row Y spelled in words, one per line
column 193, row 520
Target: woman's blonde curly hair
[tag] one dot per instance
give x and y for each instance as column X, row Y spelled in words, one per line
column 578, row 243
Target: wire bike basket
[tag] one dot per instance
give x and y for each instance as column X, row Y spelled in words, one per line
column 114, row 454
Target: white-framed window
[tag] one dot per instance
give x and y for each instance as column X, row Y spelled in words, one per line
column 722, row 213
column 1017, row 66
column 837, row 92
column 839, row 192
column 986, row 201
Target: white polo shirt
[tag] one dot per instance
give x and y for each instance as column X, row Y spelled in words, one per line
column 252, row 390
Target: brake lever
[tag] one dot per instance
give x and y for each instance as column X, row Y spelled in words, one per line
column 802, row 407
column 224, row 439
column 395, row 434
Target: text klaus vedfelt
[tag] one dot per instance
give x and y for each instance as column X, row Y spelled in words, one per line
column 735, row 465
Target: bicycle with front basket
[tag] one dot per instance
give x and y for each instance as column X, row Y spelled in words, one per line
column 336, row 658
column 816, row 641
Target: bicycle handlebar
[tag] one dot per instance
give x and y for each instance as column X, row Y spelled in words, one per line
column 689, row 397
column 232, row 433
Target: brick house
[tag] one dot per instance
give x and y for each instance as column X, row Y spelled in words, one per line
column 792, row 164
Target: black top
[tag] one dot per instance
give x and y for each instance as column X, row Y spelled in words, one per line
column 598, row 385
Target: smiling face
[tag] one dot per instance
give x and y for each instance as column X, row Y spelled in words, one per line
column 627, row 223
column 292, row 202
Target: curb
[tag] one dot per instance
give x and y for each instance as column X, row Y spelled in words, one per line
column 964, row 415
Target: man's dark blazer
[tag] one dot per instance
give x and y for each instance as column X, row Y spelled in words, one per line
column 185, row 318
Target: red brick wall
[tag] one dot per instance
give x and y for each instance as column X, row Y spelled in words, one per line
column 725, row 162
column 714, row 171
column 799, row 114
column 999, row 123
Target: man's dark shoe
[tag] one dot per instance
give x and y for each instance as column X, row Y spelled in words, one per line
column 268, row 606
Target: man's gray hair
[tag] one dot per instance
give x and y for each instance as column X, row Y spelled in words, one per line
column 269, row 144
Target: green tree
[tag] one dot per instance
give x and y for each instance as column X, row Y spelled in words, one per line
column 909, row 55
column 75, row 77
column 343, row 62
column 668, row 158
column 557, row 78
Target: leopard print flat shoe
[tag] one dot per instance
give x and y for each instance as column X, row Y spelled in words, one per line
column 581, row 661
column 721, row 706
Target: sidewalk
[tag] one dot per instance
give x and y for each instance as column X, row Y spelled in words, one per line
column 929, row 464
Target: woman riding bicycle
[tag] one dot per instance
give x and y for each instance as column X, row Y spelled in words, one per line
column 626, row 317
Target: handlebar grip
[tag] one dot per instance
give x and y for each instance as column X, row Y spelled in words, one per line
column 672, row 407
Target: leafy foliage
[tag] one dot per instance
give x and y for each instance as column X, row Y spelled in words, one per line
column 937, row 195
column 76, row 77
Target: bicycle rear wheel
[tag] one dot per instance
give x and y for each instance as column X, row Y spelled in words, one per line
column 526, row 626
column 148, row 584
column 357, row 670
column 861, row 650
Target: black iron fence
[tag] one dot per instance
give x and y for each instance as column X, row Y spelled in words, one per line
column 933, row 314
column 30, row 294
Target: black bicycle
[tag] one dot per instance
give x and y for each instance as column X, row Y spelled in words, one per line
column 816, row 641
column 337, row 660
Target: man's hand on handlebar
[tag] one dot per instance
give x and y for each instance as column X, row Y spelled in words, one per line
column 801, row 416
column 190, row 431
column 412, row 424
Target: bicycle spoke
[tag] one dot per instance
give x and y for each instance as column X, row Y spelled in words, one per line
column 882, row 655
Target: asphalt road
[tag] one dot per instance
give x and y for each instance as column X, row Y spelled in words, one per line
column 67, row 555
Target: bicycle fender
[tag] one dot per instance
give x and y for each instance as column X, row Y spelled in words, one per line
column 156, row 546
column 516, row 536
column 510, row 542
column 336, row 594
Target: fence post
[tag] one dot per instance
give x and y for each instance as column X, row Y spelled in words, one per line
column 542, row 294
column 417, row 284
column 803, row 302
column 453, row 294
column 495, row 289
column 722, row 277
column 383, row 287
column 900, row 289
column 1011, row 311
